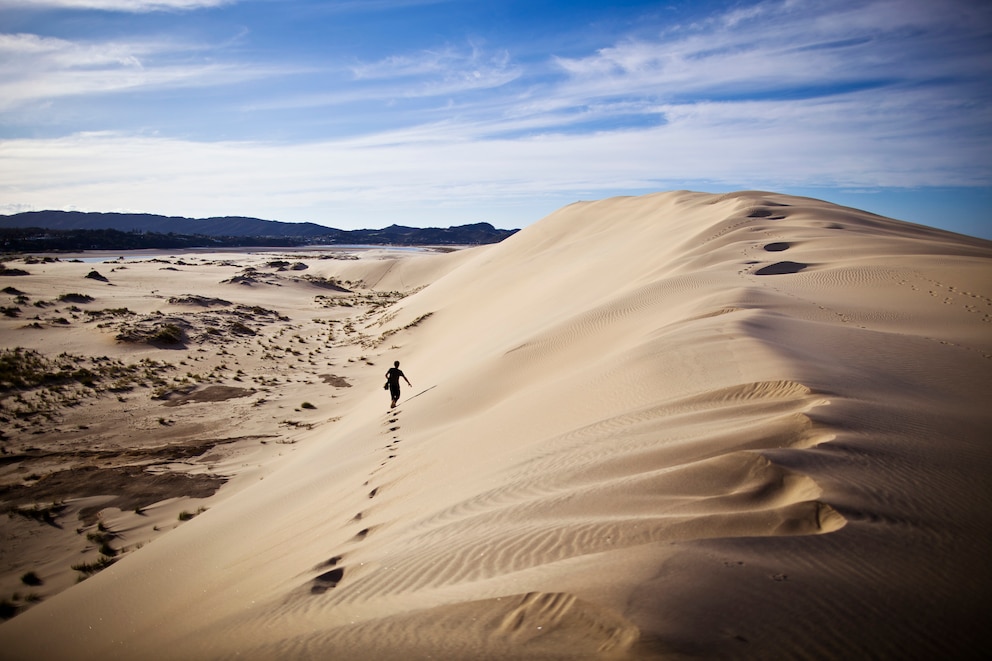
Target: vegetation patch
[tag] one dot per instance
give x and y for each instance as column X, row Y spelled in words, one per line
column 168, row 333
column 47, row 514
column 25, row 369
column 90, row 568
column 31, row 383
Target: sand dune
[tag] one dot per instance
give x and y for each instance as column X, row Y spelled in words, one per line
column 672, row 426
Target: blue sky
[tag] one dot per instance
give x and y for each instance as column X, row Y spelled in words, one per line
column 363, row 113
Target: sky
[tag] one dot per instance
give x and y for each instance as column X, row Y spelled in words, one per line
column 365, row 113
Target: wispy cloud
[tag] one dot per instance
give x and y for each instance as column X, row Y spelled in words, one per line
column 782, row 46
column 437, row 72
column 37, row 69
column 446, row 72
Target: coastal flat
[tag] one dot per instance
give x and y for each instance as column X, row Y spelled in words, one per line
column 672, row 426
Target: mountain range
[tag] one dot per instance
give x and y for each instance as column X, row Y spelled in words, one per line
column 240, row 226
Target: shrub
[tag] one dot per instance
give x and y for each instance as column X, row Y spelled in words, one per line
column 31, row 578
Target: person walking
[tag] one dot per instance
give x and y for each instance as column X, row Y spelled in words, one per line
column 393, row 376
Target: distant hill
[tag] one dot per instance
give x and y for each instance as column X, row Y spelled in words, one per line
column 239, row 226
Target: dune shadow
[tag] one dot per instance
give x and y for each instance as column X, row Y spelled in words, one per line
column 777, row 247
column 781, row 268
column 326, row 581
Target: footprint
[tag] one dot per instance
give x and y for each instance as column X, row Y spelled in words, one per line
column 373, row 492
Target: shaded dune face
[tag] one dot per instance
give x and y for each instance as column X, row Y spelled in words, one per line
column 644, row 434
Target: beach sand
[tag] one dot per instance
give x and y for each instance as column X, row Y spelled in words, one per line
column 673, row 426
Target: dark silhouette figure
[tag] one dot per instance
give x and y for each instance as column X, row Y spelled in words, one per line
column 393, row 376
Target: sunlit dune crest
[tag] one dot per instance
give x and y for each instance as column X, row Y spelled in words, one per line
column 680, row 425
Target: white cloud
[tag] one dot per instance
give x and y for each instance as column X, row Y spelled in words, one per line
column 754, row 144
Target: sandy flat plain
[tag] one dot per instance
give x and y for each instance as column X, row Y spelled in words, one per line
column 673, row 426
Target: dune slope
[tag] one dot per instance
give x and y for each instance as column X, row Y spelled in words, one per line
column 672, row 426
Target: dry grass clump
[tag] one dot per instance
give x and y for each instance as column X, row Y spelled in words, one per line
column 186, row 516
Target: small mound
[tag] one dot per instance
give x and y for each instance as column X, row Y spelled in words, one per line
column 198, row 301
column 95, row 275
column 242, row 280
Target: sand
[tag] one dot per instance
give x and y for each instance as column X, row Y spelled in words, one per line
column 673, row 426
